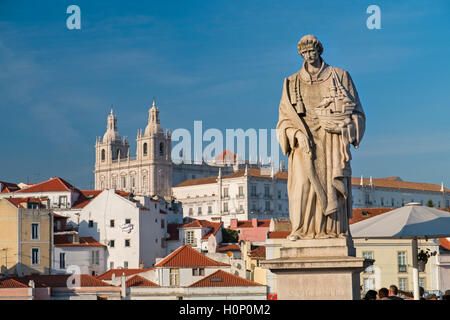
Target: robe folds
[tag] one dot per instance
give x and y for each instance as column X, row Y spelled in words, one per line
column 319, row 182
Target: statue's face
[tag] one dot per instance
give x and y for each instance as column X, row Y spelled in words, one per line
column 311, row 55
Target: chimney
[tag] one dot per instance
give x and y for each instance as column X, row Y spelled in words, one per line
column 31, row 284
column 141, row 265
column 123, row 286
column 113, row 277
column 254, row 222
column 233, row 223
column 371, row 181
column 362, row 181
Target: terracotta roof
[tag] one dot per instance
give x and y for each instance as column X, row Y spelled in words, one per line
column 444, row 243
column 53, row 184
column 60, row 281
column 360, row 214
column 258, row 252
column 278, row 234
column 63, row 240
column 185, row 257
column 397, row 183
column 11, row 283
column 221, row 278
column 138, row 281
column 193, row 182
column 227, row 155
column 248, row 223
column 20, row 202
column 55, row 215
column 8, row 187
column 228, row 247
column 86, row 196
column 118, row 272
column 172, row 230
column 214, row 226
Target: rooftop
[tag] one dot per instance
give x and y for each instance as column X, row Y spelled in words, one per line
column 185, row 257
column 221, row 278
column 138, row 281
column 119, row 272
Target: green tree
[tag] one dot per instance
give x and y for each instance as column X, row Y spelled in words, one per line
column 229, row 236
column 430, row 203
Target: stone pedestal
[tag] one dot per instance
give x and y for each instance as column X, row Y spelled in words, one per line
column 318, row 269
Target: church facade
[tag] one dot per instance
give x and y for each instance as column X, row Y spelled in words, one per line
column 149, row 173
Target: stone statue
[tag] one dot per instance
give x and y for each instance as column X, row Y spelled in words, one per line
column 320, row 115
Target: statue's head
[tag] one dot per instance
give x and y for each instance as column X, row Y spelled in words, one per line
column 310, row 48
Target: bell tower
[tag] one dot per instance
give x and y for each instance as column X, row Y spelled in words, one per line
column 153, row 151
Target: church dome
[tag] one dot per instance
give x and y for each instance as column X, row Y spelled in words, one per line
column 111, row 134
column 153, row 125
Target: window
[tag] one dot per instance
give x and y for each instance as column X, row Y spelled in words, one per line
column 62, row 201
column 367, row 198
column 225, row 207
column 174, row 277
column 190, row 237
column 267, row 205
column 191, row 211
column 127, row 221
column 241, row 191
column 125, row 264
column 124, row 182
column 199, row 211
column 209, row 209
column 253, row 190
column 111, row 265
column 368, row 255
column 111, row 223
column 392, row 202
column 91, row 223
column 95, row 257
column 161, row 148
column 254, row 205
column 403, row 284
column 35, row 231
column 144, row 182
column 382, row 201
column 241, row 208
column 401, row 255
column 112, row 243
column 163, row 222
column 35, row 256
column 133, row 182
column 103, row 154
column 225, row 193
column 127, row 242
column 62, row 260
column 145, row 149
column 198, row 271
column 422, row 282
column 266, row 191
column 279, row 194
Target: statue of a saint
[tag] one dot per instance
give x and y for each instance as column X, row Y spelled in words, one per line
column 319, row 117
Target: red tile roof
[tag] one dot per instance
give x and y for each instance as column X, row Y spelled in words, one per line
column 118, row 272
column 11, row 283
column 86, row 196
column 21, row 202
column 59, row 281
column 221, row 278
column 53, row 184
column 185, row 257
column 138, row 281
column 278, row 234
column 258, row 253
column 8, row 187
column 397, row 183
column 248, row 224
column 360, row 214
column 228, row 247
column 63, row 240
column 213, row 226
column 444, row 243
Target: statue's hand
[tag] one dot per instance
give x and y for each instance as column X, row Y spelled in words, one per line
column 302, row 142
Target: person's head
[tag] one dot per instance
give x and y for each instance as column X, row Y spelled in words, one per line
column 393, row 290
column 310, row 48
column 370, row 295
column 431, row 297
column 446, row 295
column 383, row 293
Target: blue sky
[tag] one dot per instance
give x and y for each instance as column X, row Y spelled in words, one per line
column 222, row 62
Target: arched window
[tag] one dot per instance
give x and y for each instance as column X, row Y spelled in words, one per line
column 103, row 154
column 145, row 149
column 161, row 148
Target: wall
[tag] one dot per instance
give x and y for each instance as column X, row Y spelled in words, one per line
column 8, row 237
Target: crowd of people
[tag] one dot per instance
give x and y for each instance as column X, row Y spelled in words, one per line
column 393, row 294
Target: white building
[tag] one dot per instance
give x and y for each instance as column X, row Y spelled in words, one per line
column 244, row 195
column 394, row 192
column 134, row 230
column 86, row 253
